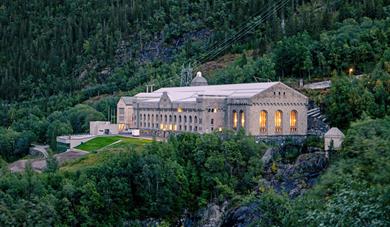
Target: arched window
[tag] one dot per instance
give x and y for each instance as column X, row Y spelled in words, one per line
column 196, row 120
column 190, row 118
column 148, row 117
column 174, row 118
column 235, row 119
column 278, row 121
column 180, row 120
column 185, row 120
column 293, row 121
column 242, row 119
column 263, row 121
column 165, row 118
column 170, row 118
column 152, row 117
column 212, row 121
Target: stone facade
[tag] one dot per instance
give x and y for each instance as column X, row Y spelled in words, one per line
column 333, row 139
column 261, row 109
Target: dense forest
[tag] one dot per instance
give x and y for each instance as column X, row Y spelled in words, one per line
column 65, row 63
column 59, row 47
column 190, row 170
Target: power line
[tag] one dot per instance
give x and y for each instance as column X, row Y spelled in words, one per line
column 242, row 32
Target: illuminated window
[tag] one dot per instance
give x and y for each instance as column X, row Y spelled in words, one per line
column 235, row 119
column 214, row 110
column 263, row 121
column 175, row 127
column 179, row 110
column 162, row 126
column 278, row 121
column 293, row 121
column 242, row 119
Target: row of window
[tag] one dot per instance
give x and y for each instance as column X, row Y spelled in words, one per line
column 278, row 121
column 169, row 118
column 239, row 120
column 171, row 127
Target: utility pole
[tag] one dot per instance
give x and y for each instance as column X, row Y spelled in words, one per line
column 186, row 76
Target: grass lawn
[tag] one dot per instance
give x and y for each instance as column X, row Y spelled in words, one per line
column 104, row 153
column 101, row 142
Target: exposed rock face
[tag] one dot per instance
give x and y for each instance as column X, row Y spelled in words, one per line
column 292, row 176
column 267, row 157
column 242, row 216
column 295, row 178
column 211, row 216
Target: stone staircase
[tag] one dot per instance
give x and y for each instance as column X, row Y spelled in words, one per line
column 316, row 122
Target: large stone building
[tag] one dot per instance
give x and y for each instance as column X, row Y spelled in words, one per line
column 261, row 109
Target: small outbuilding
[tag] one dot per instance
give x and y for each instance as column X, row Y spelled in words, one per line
column 335, row 135
column 102, row 128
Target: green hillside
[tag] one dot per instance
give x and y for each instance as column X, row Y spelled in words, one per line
column 66, row 63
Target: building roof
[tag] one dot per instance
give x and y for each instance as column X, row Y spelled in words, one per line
column 128, row 100
column 190, row 94
column 199, row 80
column 334, row 132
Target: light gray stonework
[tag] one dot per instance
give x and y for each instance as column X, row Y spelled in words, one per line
column 207, row 108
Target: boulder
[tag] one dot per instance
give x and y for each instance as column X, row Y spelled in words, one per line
column 242, row 216
column 311, row 162
column 268, row 155
column 210, row 216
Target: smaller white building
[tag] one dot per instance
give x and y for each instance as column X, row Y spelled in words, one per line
column 335, row 135
column 102, row 128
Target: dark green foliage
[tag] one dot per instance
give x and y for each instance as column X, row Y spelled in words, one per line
column 162, row 181
column 354, row 191
column 13, row 144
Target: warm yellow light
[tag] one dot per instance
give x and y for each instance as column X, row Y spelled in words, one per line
column 242, row 119
column 179, row 110
column 235, row 119
column 121, row 127
column 293, row 119
column 220, row 129
column 175, row 127
column 263, row 121
column 170, row 127
column 350, row 71
column 278, row 121
column 162, row 126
